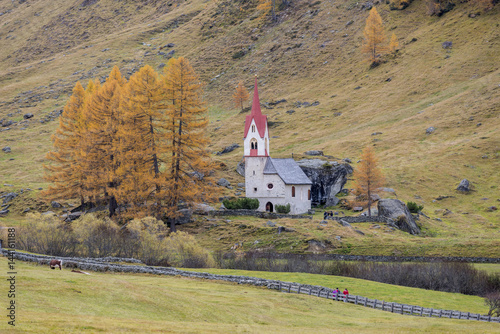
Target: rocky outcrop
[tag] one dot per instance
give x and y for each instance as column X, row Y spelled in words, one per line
column 464, row 186
column 397, row 211
column 328, row 179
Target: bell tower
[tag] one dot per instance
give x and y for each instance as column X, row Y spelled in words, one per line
column 255, row 147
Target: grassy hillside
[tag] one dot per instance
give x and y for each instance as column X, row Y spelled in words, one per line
column 311, row 54
column 51, row 301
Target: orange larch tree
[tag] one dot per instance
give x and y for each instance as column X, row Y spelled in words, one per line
column 142, row 140
column 241, row 95
column 105, row 118
column 393, row 44
column 64, row 171
column 188, row 171
column 375, row 41
column 368, row 176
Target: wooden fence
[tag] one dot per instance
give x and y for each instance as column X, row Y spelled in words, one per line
column 380, row 304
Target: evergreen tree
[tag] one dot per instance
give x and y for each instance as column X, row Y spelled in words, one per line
column 241, row 95
column 375, row 41
column 368, row 177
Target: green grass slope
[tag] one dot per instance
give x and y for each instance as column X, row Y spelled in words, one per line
column 50, row 301
column 311, row 54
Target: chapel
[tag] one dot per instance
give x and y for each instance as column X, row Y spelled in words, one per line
column 271, row 181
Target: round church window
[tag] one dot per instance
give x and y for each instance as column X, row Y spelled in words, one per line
column 270, row 186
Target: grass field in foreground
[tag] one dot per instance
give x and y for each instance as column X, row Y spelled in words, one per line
column 53, row 301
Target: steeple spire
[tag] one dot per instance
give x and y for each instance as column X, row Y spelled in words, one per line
column 256, row 115
column 256, row 102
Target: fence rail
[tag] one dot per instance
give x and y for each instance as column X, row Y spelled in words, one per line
column 380, row 304
column 104, row 265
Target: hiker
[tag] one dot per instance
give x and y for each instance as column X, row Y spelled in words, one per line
column 346, row 293
column 325, row 215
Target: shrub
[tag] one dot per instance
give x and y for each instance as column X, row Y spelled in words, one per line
column 239, row 54
column 97, row 237
column 492, row 300
column 283, row 208
column 148, row 235
column 414, row 207
column 241, row 203
column 183, row 251
column 46, row 234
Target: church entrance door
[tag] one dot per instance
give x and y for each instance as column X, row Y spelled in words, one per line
column 269, row 207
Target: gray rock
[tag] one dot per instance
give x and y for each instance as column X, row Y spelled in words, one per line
column 223, row 182
column 270, row 224
column 357, row 209
column 27, row 116
column 7, row 123
column 447, row 45
column 430, row 130
column 55, row 205
column 240, row 168
column 344, row 223
column 359, row 232
column 327, row 182
column 4, row 212
column 314, row 152
column 8, row 197
column 332, row 201
column 388, row 190
column 241, row 185
column 464, row 186
column 349, row 161
column 338, row 237
column 398, row 211
column 228, row 149
column 6, row 149
column 291, row 111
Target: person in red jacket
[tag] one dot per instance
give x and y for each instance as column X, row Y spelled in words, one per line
column 346, row 292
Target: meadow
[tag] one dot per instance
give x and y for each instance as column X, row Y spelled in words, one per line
column 50, row 301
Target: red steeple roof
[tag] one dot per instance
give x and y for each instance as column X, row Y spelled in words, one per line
column 256, row 114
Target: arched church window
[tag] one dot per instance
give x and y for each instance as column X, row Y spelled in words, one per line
column 309, row 194
column 253, row 144
column 253, row 128
column 293, row 191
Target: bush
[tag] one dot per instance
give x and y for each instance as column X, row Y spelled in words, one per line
column 97, row 237
column 241, row 203
column 46, row 234
column 414, row 207
column 283, row 208
column 183, row 251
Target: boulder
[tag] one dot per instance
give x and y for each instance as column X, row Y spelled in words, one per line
column 430, row 130
column 464, row 186
column 28, row 116
column 8, row 197
column 228, row 149
column 398, row 212
column 314, row 152
column 6, row 149
column 327, row 182
column 240, row 169
column 223, row 182
column 56, row 205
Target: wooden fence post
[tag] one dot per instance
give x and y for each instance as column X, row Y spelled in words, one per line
column 289, row 287
column 468, row 315
column 383, row 305
column 319, row 292
column 279, row 286
column 441, row 312
column 355, row 299
column 411, row 310
column 298, row 290
column 375, row 303
column 392, row 307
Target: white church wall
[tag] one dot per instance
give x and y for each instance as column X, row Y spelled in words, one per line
column 262, row 143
